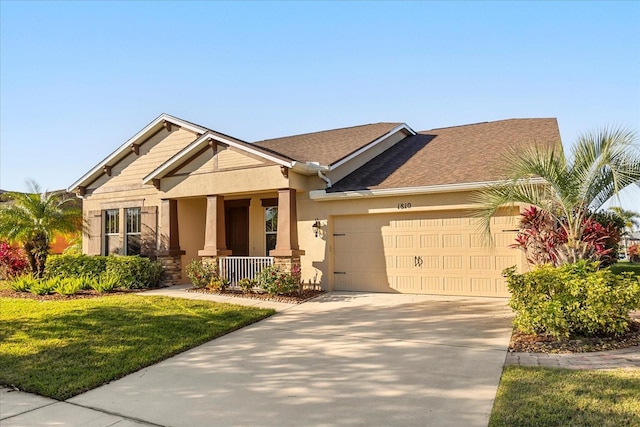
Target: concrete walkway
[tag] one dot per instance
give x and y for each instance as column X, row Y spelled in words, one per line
column 343, row 359
column 180, row 291
column 626, row 358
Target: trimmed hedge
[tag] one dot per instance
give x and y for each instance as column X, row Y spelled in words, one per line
column 132, row 272
column 75, row 266
column 572, row 300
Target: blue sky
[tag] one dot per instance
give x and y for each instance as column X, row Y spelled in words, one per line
column 77, row 79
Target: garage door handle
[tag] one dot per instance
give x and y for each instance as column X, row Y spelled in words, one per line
column 339, row 234
column 339, row 272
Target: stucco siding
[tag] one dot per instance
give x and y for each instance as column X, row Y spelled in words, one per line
column 445, row 211
column 191, row 227
column 236, row 181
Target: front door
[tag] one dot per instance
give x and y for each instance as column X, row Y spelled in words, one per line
column 237, row 227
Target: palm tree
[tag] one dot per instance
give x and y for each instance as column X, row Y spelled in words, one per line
column 568, row 189
column 629, row 217
column 630, row 222
column 33, row 219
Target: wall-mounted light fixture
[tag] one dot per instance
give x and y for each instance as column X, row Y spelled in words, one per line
column 316, row 227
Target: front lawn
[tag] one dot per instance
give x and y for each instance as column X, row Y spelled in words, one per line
column 62, row 348
column 558, row 397
column 622, row 266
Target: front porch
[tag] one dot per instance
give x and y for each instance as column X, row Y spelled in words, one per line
column 235, row 268
column 243, row 233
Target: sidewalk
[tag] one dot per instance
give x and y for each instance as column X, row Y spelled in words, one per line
column 625, row 358
column 180, row 291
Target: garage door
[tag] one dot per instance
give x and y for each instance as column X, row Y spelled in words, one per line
column 424, row 252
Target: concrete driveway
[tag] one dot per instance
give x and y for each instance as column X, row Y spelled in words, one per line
column 345, row 359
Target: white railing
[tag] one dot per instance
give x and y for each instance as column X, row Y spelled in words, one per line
column 235, row 268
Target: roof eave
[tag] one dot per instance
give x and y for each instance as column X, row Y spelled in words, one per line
column 125, row 148
column 322, row 195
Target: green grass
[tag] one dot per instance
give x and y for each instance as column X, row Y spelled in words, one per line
column 621, row 266
column 543, row 397
column 62, row 348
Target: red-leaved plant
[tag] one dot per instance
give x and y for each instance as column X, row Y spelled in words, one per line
column 13, row 261
column 634, row 253
column 544, row 240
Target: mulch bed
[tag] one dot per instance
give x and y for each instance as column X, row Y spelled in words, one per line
column 8, row 293
column 293, row 298
column 531, row 343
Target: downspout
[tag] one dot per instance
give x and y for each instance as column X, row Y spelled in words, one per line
column 324, row 178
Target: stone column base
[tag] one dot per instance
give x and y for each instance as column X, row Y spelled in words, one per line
column 171, row 269
column 287, row 263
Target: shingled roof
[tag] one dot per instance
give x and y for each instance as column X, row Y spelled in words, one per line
column 454, row 155
column 329, row 146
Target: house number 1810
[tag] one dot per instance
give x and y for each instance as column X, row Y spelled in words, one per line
column 404, row 205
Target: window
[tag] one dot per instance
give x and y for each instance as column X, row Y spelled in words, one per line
column 271, row 227
column 133, row 236
column 111, row 231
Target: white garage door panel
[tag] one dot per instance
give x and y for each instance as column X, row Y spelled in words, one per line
column 429, row 252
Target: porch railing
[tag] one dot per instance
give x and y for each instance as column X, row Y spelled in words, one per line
column 235, row 268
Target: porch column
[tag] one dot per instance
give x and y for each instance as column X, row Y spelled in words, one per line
column 287, row 237
column 215, row 243
column 169, row 252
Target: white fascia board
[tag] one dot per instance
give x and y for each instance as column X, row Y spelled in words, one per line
column 403, row 126
column 199, row 144
column 126, row 147
column 322, row 195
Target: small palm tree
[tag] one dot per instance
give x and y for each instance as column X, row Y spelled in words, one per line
column 569, row 189
column 33, row 219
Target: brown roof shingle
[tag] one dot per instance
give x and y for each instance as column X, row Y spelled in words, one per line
column 461, row 154
column 326, row 147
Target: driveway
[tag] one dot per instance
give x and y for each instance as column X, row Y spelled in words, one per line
column 345, row 359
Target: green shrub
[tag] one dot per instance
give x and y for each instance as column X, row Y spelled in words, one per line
column 201, row 273
column 274, row 280
column 75, row 266
column 44, row 286
column 134, row 272
column 218, row 284
column 106, row 283
column 247, row 285
column 572, row 300
column 23, row 283
column 69, row 285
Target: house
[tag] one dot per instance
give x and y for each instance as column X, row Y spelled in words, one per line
column 378, row 207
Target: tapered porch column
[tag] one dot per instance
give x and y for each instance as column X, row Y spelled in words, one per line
column 215, row 243
column 169, row 252
column 287, row 237
column 169, row 237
